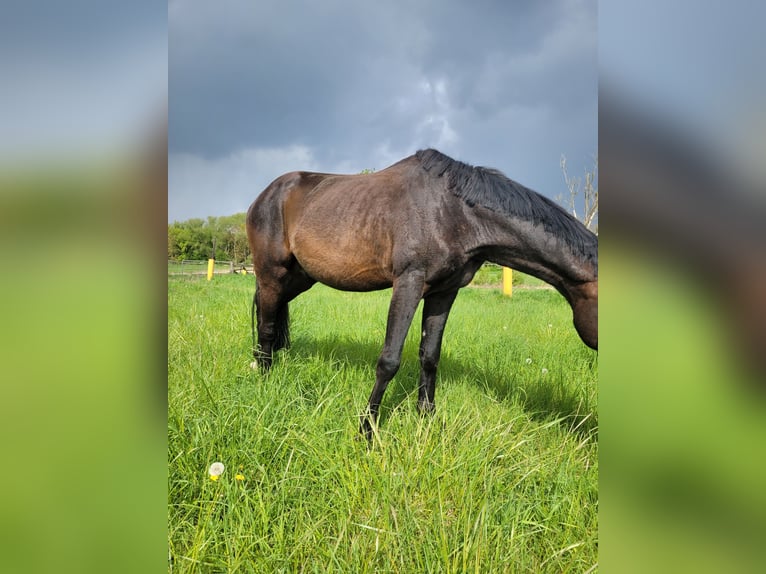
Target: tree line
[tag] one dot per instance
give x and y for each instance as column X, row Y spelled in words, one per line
column 197, row 238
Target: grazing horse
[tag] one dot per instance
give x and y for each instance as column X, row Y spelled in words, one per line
column 424, row 226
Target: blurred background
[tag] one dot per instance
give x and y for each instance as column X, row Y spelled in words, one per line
column 83, row 215
column 683, row 287
column 83, row 164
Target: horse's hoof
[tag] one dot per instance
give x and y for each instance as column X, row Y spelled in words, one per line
column 426, row 408
column 366, row 431
column 261, row 364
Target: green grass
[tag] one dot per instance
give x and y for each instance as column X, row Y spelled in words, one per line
column 503, row 478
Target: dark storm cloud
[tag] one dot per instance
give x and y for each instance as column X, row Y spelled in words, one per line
column 348, row 85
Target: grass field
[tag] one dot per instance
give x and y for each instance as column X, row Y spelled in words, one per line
column 503, row 478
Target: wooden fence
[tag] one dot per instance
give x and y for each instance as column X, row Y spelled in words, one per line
column 199, row 267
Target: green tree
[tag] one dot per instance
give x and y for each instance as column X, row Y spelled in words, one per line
column 195, row 239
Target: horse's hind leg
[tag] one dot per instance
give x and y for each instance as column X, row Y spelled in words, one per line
column 272, row 297
column 266, row 301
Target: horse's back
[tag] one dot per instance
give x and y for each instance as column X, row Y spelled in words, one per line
column 271, row 200
column 295, row 192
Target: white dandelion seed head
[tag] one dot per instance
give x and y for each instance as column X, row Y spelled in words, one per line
column 216, row 469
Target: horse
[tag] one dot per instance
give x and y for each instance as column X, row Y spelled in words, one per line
column 423, row 226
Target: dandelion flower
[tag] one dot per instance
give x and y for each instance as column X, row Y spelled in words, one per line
column 239, row 476
column 216, row 469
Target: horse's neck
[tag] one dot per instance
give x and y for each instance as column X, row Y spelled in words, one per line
column 532, row 250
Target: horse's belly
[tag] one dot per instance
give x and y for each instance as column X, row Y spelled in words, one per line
column 345, row 244
column 344, row 270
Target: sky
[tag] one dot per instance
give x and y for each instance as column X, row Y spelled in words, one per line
column 260, row 88
column 697, row 69
column 79, row 78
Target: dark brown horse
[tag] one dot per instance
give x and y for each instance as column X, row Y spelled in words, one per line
column 424, row 226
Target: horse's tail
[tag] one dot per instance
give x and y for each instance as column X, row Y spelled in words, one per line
column 282, row 328
column 252, row 322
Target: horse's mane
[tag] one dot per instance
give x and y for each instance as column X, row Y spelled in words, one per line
column 491, row 189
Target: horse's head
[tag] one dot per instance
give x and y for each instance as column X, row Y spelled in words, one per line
column 585, row 310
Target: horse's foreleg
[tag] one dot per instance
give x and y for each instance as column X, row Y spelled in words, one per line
column 407, row 293
column 436, row 309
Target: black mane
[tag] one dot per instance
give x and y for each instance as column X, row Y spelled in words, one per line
column 492, row 190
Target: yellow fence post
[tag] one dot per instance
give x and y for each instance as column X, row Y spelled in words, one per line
column 507, row 281
column 210, row 266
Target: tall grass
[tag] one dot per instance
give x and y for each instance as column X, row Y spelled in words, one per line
column 503, row 478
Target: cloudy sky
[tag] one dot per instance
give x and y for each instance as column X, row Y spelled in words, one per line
column 263, row 87
column 79, row 78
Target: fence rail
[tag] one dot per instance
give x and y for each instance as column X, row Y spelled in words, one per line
column 199, row 267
